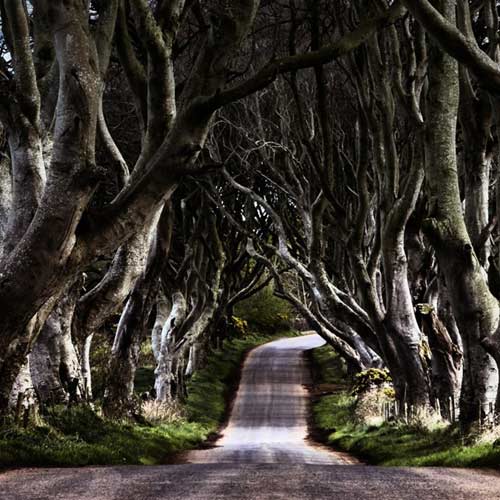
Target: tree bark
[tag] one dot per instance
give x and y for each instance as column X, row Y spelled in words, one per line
column 164, row 371
column 54, row 364
column 30, row 278
column 132, row 328
column 446, row 361
column 23, row 392
column 86, row 367
column 475, row 309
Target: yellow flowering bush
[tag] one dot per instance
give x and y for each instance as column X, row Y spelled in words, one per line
column 240, row 324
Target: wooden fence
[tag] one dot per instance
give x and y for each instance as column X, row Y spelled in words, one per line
column 395, row 410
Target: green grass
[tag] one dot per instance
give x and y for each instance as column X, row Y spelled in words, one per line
column 393, row 443
column 79, row 436
column 328, row 366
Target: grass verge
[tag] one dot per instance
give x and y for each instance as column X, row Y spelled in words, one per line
column 78, row 436
column 391, row 443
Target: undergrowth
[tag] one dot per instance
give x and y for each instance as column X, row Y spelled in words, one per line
column 391, row 443
column 265, row 312
column 78, row 436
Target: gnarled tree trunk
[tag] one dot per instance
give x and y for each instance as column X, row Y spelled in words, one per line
column 475, row 309
column 54, row 364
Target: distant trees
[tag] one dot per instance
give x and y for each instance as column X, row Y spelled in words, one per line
column 163, row 160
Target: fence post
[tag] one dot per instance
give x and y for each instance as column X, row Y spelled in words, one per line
column 19, row 406
column 26, row 417
column 480, row 409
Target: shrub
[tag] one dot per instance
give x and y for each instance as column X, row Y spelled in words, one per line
column 265, row 312
column 240, row 325
column 370, row 379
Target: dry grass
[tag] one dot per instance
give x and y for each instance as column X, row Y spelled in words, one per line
column 368, row 406
column 158, row 413
column 489, row 436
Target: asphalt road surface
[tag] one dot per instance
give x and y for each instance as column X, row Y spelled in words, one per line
column 249, row 482
column 268, row 422
column 262, row 454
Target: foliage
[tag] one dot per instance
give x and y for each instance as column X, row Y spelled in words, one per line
column 99, row 360
column 334, row 411
column 144, row 379
column 369, row 379
column 240, row 325
column 329, row 367
column 159, row 412
column 393, row 443
column 265, row 312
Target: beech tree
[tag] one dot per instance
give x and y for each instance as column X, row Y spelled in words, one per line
column 163, row 160
column 475, row 308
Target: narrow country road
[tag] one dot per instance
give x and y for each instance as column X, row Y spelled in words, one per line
column 268, row 422
column 261, row 455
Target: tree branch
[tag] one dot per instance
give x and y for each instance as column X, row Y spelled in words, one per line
column 453, row 41
column 324, row 55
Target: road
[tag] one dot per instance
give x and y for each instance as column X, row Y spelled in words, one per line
column 249, row 482
column 268, row 422
column 261, row 455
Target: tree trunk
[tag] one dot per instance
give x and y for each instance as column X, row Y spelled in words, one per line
column 54, row 363
column 164, row 371
column 410, row 370
column 86, row 367
column 475, row 309
column 5, row 196
column 132, row 328
column 65, row 235
column 446, row 361
column 32, row 272
column 410, row 367
column 130, row 334
column 23, row 392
